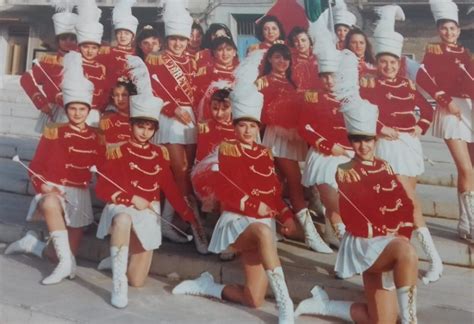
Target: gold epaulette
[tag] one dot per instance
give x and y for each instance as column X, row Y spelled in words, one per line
column 388, row 167
column 412, row 84
column 105, row 123
column 203, row 128
column 434, row 48
column 311, row 96
column 261, row 83
column 270, row 154
column 229, row 149
column 104, row 50
column 194, row 64
column 51, row 130
column 201, row 71
column 154, row 59
column 367, row 82
column 51, row 59
column 164, row 151
column 113, row 152
column 253, row 47
column 347, row 174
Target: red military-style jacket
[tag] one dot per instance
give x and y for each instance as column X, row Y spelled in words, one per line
column 65, row 154
column 321, row 112
column 450, row 72
column 96, row 73
column 141, row 170
column 210, row 135
column 42, row 83
column 115, row 127
column 115, row 61
column 177, row 75
column 372, row 202
column 397, row 100
column 305, row 71
column 281, row 104
column 366, row 68
column 246, row 178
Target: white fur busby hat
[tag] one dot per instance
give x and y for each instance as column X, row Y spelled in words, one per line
column 387, row 40
column 64, row 19
column 122, row 17
column 88, row 27
column 444, row 9
column 342, row 16
column 75, row 86
column 178, row 21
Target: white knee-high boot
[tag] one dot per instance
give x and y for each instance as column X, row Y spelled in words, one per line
column 312, row 238
column 119, row 257
column 320, row 304
column 29, row 243
column 202, row 286
column 467, row 200
column 436, row 265
column 407, row 303
column 276, row 278
column 463, row 225
column 66, row 265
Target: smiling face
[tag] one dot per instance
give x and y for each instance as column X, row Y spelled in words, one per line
column 124, row 37
column 89, row 51
column 449, row 32
column 271, row 32
column 143, row 131
column 150, row 44
column 177, row 44
column 302, row 43
column 341, row 32
column 224, row 54
column 221, row 111
column 196, row 38
column 364, row 149
column 121, row 99
column 77, row 113
column 388, row 66
column 279, row 63
column 357, row 44
column 246, row 131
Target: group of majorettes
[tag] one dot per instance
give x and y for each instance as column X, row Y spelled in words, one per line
column 220, row 137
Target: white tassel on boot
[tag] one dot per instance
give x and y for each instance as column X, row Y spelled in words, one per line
column 66, row 266
column 29, row 243
column 407, row 303
column 166, row 229
column 202, row 286
column 436, row 265
column 199, row 235
column 312, row 238
column 463, row 225
column 276, row 278
column 119, row 257
column 320, row 304
column 467, row 200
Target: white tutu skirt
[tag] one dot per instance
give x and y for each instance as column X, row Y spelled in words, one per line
column 77, row 209
column 357, row 254
column 230, row 226
column 145, row 224
column 448, row 126
column 172, row 131
column 404, row 155
column 320, row 168
column 285, row 143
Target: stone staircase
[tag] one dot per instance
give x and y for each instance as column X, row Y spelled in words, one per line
column 437, row 186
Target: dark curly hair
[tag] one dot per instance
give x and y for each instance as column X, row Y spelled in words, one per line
column 144, row 33
column 295, row 32
column 285, row 52
column 263, row 21
column 213, row 28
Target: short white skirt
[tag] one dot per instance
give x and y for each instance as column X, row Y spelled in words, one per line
column 320, row 168
column 285, row 143
column 230, row 226
column 404, row 155
column 77, row 209
column 172, row 131
column 145, row 224
column 448, row 126
column 357, row 254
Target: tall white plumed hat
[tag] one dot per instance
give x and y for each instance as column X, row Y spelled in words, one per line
column 75, row 86
column 144, row 104
column 444, row 9
column 64, row 19
column 122, row 17
column 360, row 116
column 325, row 49
column 342, row 16
column 387, row 40
column 88, row 27
column 178, row 21
column 247, row 101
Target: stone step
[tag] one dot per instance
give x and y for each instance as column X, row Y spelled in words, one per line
column 440, row 174
column 19, row 126
column 438, row 201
